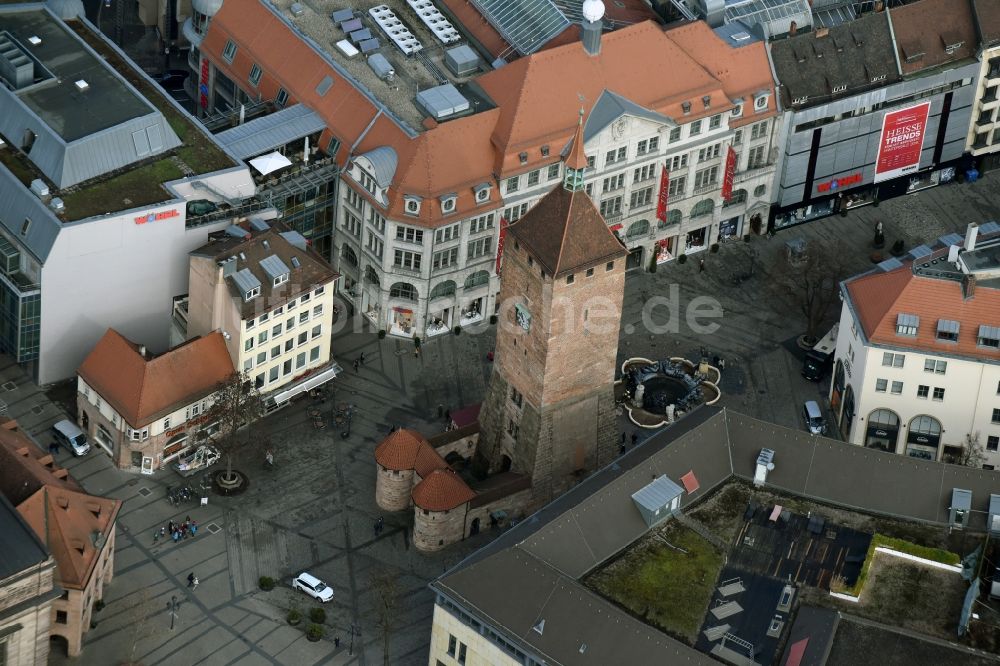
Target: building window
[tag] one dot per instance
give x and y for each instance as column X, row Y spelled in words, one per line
column 248, row 345
column 678, row 162
column 166, row 423
column 706, row 177
column 695, row 128
column 645, row 173
column 612, row 206
column 907, row 324
column 738, row 137
column 649, row 146
column 300, row 360
column 614, row 156
column 445, row 258
column 947, row 330
column 404, row 259
column 755, row 157
column 570, row 279
column 481, row 223
column 261, row 357
column 317, row 331
column 881, row 385
column 229, row 52
column 61, row 618
column 479, row 248
column 446, row 234
column 591, row 161
column 715, row 122
column 758, row 130
column 533, row 177
column 409, row 234
column 992, row 443
column 516, row 397
column 613, row 183
column 304, row 317
column 452, row 645
column 923, row 391
column 709, row 152
column 276, row 331
column 677, row 186
column 281, row 98
column 262, row 337
column 610, row 266
column 289, row 344
column 314, row 354
column 937, row 367
column 641, row 197
column 461, row 653
column 255, row 74
column 897, row 388
column 272, row 374
column 512, row 184
column 996, row 415
column 675, row 135
column 891, row 360
column 553, row 172
column 989, row 336
column 938, row 393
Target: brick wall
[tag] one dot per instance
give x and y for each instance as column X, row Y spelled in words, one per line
column 434, row 530
column 30, row 644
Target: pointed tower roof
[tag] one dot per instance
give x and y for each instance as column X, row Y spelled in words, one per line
column 565, row 232
column 576, row 158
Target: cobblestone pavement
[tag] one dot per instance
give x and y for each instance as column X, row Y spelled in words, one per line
column 315, row 510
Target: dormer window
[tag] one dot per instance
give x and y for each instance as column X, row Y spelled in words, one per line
column 947, row 329
column 760, row 102
column 707, row 101
column 907, row 324
column 686, row 107
column 411, row 205
column 482, row 192
column 281, row 279
column 545, row 151
column 878, row 77
column 523, row 158
column 448, row 203
column 839, row 89
column 252, row 294
column 737, row 109
column 800, row 100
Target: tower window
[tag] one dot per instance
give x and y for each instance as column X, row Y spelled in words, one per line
column 570, row 278
column 610, row 266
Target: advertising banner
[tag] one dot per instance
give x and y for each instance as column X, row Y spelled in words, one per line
column 901, row 141
column 730, row 176
column 203, row 84
column 661, row 199
column 500, row 240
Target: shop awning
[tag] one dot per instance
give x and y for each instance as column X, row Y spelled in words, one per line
column 265, row 164
column 309, row 384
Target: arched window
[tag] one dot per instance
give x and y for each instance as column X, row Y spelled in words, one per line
column 477, row 279
column 637, row 229
column 404, row 291
column 442, row 289
column 925, row 425
column 883, row 418
column 673, row 217
column 371, row 276
column 703, row 207
column 739, row 196
column 349, row 255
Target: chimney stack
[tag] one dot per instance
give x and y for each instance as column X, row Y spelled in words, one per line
column 592, row 26
column 971, row 234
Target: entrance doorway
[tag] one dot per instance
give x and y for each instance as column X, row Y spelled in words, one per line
column 883, row 430
column 634, row 259
column 474, row 528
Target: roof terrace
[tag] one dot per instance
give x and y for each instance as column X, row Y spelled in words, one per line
column 422, row 68
column 137, row 184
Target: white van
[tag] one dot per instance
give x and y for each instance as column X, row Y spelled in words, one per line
column 69, row 435
column 815, row 422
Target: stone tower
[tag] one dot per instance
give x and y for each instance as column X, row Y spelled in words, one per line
column 549, row 411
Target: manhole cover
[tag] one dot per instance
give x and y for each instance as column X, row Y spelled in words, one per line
column 145, row 492
column 213, row 528
column 9, row 386
column 38, row 409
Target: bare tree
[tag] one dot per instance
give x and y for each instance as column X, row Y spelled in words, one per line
column 972, row 454
column 385, row 587
column 810, row 277
column 138, row 613
column 237, row 404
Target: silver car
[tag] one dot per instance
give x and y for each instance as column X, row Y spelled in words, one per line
column 313, row 586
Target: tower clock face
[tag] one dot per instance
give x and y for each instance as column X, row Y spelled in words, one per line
column 619, row 127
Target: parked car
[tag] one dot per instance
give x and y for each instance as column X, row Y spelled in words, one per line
column 172, row 79
column 815, row 423
column 313, row 586
column 819, row 359
column 69, row 435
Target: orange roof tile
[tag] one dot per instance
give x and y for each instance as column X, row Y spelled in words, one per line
column 25, row 468
column 441, row 490
column 577, row 158
column 565, row 232
column 878, row 297
column 142, row 389
column 74, row 526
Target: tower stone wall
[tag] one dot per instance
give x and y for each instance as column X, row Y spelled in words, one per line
column 392, row 488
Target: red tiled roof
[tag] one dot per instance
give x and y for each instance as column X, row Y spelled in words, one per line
column 408, row 449
column 142, row 389
column 564, row 232
column 74, row 526
column 878, row 298
column 25, row 468
column 441, row 490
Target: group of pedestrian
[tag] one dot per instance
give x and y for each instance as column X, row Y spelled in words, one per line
column 635, row 441
column 359, row 361
column 176, row 531
column 379, row 526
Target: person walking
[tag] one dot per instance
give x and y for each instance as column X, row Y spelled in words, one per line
column 635, row 439
column 362, row 358
column 623, row 437
column 194, row 583
column 701, row 265
column 269, row 457
column 191, row 579
column 356, row 364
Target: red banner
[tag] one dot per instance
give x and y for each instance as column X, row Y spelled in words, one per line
column 500, row 240
column 901, row 142
column 730, row 176
column 661, row 199
column 203, row 84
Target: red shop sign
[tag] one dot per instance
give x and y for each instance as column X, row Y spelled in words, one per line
column 156, row 217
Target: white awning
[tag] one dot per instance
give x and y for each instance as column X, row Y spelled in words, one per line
column 308, row 385
column 265, row 164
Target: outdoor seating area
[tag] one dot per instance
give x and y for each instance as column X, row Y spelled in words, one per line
column 657, row 393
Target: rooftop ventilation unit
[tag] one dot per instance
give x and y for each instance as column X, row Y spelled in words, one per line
column 461, row 60
column 258, row 224
column 442, row 101
column 381, row 66
column 57, row 205
column 15, row 66
column 39, row 187
column 81, row 85
column 297, row 9
column 35, row 40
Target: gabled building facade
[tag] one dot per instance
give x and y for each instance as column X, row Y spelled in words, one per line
column 917, row 363
column 873, row 108
column 78, row 530
column 271, row 298
column 424, row 196
column 983, row 141
column 146, row 410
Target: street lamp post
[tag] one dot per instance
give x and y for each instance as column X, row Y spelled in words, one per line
column 355, row 630
column 172, row 605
